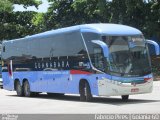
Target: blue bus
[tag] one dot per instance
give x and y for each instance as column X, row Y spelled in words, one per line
column 90, row 60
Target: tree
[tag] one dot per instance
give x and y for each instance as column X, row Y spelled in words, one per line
column 16, row 24
column 118, row 11
column 142, row 14
column 27, row 3
column 38, row 22
column 73, row 12
column 60, row 14
column 6, row 5
column 153, row 20
column 92, row 11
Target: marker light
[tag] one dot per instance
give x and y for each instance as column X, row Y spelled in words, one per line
column 147, row 79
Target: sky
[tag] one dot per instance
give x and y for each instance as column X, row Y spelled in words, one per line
column 42, row 8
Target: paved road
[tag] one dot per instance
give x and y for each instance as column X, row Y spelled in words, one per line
column 145, row 103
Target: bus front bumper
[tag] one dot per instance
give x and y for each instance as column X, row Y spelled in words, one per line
column 112, row 88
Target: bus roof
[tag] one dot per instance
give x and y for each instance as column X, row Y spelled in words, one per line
column 113, row 29
column 100, row 28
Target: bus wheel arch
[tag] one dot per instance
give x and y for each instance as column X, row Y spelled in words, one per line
column 85, row 90
column 18, row 87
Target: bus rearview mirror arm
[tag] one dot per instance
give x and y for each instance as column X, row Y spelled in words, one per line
column 104, row 46
column 157, row 50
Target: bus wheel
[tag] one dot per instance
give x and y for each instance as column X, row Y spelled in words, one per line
column 125, row 97
column 27, row 92
column 85, row 92
column 19, row 89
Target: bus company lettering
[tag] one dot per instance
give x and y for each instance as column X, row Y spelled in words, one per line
column 51, row 64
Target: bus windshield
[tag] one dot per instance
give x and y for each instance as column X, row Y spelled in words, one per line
column 128, row 55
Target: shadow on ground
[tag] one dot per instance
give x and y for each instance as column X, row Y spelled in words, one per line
column 100, row 100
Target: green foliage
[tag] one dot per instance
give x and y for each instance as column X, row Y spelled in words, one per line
column 73, row 12
column 59, row 14
column 27, row 3
column 137, row 13
column 153, row 22
column 16, row 24
column 6, row 5
column 38, row 22
column 142, row 14
column 91, row 10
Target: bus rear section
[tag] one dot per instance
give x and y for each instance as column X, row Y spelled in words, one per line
column 91, row 59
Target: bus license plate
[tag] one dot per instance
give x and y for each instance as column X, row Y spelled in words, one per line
column 135, row 90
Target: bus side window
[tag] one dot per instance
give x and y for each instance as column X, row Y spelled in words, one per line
column 82, row 60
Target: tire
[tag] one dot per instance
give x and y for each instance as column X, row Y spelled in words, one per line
column 27, row 92
column 125, row 97
column 85, row 92
column 19, row 89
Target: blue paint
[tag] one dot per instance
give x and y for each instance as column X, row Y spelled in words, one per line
column 104, row 47
column 152, row 47
column 157, row 50
column 49, row 81
column 62, row 81
column 131, row 79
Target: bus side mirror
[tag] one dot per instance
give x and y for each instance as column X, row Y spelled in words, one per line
column 104, row 46
column 157, row 50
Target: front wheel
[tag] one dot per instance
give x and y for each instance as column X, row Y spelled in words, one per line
column 125, row 97
column 85, row 92
column 27, row 92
